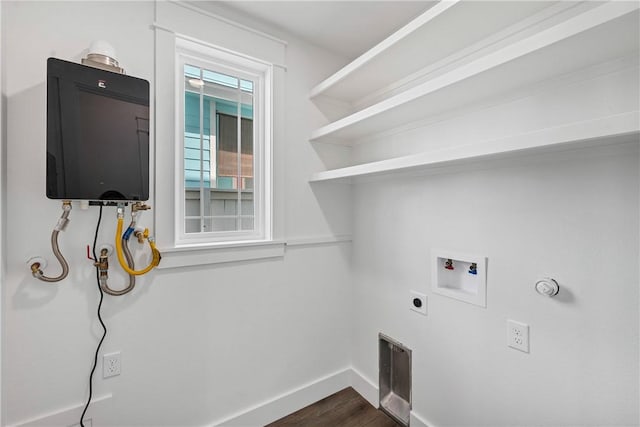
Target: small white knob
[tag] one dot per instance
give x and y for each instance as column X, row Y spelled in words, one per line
column 547, row 287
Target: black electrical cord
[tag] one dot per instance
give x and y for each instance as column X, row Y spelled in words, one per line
column 104, row 327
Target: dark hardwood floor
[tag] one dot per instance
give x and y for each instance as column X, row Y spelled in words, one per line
column 345, row 408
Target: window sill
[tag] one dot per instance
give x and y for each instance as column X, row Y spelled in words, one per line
column 192, row 255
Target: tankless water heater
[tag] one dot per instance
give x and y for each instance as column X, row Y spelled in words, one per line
column 97, row 134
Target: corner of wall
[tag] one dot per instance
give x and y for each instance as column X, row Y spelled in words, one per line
column 2, row 207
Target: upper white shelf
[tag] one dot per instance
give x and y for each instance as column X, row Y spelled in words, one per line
column 600, row 33
column 425, row 41
column 624, row 127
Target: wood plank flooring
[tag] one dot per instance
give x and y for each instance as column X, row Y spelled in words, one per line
column 345, row 408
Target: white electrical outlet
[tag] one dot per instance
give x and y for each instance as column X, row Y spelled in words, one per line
column 518, row 335
column 111, row 365
column 418, row 302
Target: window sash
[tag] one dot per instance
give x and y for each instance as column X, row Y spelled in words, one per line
column 260, row 77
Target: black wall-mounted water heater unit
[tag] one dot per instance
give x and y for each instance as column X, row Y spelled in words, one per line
column 97, row 134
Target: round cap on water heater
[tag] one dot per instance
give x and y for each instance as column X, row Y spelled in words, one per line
column 102, row 55
column 101, row 47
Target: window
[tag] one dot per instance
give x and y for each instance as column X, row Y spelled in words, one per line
column 224, row 165
column 238, row 68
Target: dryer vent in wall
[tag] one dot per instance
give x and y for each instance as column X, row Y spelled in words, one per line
column 395, row 379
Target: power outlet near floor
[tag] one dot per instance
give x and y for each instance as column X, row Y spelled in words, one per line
column 518, row 335
column 111, row 365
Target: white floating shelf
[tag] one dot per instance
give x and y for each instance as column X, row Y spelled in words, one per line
column 612, row 129
column 427, row 40
column 598, row 35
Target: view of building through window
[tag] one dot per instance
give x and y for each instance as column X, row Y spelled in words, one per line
column 218, row 151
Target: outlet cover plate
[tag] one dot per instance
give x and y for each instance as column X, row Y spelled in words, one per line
column 111, row 365
column 418, row 302
column 518, row 335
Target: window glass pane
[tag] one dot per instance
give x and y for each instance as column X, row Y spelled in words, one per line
column 246, row 175
column 191, row 71
column 219, row 78
column 218, row 152
column 192, row 171
column 246, row 85
column 192, row 225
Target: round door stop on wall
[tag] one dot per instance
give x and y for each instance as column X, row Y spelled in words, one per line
column 547, row 287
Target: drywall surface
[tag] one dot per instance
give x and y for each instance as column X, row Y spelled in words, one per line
column 198, row 344
column 572, row 216
column 3, row 204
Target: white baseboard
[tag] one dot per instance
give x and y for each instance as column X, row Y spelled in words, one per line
column 289, row 402
column 369, row 391
column 258, row 415
column 365, row 388
column 416, row 420
column 96, row 414
column 294, row 400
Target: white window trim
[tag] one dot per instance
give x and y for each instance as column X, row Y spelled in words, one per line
column 229, row 252
column 205, row 253
column 261, row 74
column 174, row 21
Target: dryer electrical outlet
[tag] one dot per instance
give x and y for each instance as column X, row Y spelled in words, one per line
column 418, row 302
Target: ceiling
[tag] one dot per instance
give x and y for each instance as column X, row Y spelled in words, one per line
column 348, row 28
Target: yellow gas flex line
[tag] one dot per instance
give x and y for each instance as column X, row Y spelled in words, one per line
column 155, row 258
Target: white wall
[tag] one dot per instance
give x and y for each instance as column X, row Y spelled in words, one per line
column 572, row 216
column 198, row 344
column 2, row 207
